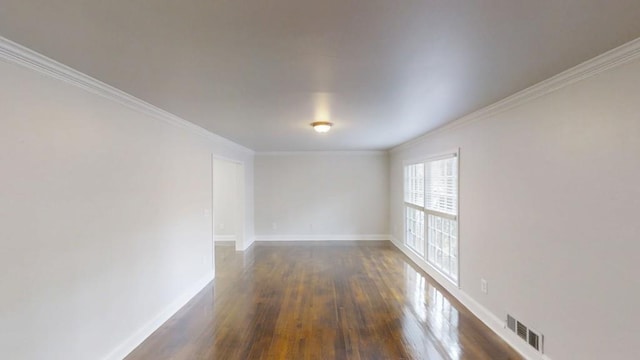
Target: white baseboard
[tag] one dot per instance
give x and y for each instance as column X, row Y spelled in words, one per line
column 225, row 238
column 246, row 245
column 145, row 331
column 359, row 237
column 496, row 324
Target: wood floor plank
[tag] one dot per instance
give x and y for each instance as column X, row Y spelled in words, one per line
column 356, row 300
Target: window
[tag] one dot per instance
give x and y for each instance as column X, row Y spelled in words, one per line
column 431, row 212
column 415, row 229
column 414, row 184
column 414, row 207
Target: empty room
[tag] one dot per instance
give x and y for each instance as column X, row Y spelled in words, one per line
column 339, row 179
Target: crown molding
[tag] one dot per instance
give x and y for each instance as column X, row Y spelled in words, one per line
column 15, row 53
column 601, row 63
column 340, row 152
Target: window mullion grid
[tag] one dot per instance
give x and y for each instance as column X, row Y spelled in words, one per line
column 432, row 190
column 441, row 214
column 440, row 245
column 414, row 206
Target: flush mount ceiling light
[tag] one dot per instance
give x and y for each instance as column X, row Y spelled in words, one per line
column 321, row 126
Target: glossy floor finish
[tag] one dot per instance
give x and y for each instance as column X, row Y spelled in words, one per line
column 361, row 300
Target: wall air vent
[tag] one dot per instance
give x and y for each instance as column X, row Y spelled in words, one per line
column 511, row 323
column 533, row 338
column 521, row 330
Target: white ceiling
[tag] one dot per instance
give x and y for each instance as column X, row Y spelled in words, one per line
column 259, row 71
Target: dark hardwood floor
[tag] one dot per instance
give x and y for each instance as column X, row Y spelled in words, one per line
column 362, row 300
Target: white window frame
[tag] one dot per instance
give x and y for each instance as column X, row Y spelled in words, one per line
column 424, row 160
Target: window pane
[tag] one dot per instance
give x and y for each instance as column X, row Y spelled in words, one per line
column 442, row 240
column 441, row 192
column 414, row 237
column 414, row 184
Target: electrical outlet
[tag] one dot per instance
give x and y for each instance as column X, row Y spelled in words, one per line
column 274, row 226
column 221, row 226
column 484, row 286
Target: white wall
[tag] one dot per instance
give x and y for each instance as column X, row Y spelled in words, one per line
column 549, row 204
column 105, row 219
column 226, row 196
column 334, row 195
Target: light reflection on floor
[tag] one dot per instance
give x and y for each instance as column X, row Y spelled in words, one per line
column 434, row 312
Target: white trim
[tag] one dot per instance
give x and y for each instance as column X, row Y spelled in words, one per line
column 225, row 238
column 345, row 152
column 613, row 58
column 14, row 53
column 414, row 206
column 363, row 237
column 244, row 246
column 227, row 159
column 496, row 324
column 440, row 214
column 434, row 157
column 128, row 345
column 213, row 219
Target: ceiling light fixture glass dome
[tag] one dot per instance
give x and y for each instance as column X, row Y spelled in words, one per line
column 321, row 126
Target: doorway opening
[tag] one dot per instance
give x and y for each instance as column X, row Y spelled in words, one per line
column 228, row 207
